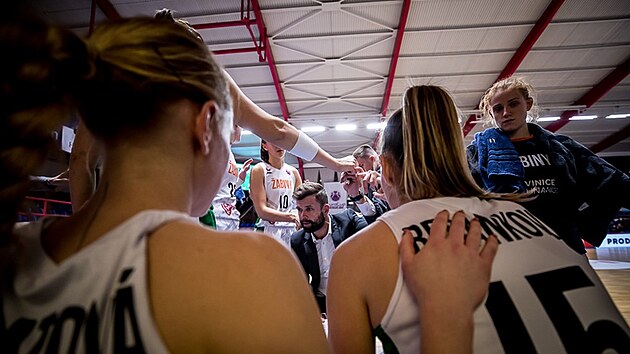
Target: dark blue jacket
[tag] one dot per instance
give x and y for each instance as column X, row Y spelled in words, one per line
column 601, row 188
column 343, row 225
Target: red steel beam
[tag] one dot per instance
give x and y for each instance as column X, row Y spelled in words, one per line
column 242, row 22
column 404, row 13
column 108, row 9
column 395, row 55
column 262, row 32
column 522, row 51
column 594, row 94
column 611, row 140
column 235, row 51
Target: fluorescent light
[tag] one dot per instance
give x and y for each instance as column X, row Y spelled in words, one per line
column 375, row 126
column 315, row 128
column 613, row 116
column 346, row 127
column 548, row 119
column 582, row 117
column 246, row 132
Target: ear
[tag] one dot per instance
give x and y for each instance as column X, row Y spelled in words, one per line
column 530, row 103
column 387, row 170
column 202, row 131
column 326, row 208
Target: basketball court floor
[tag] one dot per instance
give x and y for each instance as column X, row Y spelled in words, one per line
column 613, row 267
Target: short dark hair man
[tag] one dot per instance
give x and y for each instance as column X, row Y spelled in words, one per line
column 362, row 184
column 321, row 233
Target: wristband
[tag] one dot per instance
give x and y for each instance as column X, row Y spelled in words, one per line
column 305, row 147
column 357, row 197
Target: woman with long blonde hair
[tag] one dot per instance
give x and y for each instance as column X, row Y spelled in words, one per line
column 543, row 297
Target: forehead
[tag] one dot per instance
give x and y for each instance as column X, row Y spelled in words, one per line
column 308, row 201
column 504, row 95
column 363, row 160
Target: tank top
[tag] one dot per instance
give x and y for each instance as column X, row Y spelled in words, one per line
column 224, row 203
column 543, row 296
column 279, row 187
column 96, row 301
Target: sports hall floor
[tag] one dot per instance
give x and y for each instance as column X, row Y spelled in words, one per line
column 613, row 267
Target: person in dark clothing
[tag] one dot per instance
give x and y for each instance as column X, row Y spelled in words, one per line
column 321, row 233
column 574, row 191
column 363, row 184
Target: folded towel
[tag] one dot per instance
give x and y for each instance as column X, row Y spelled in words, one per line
column 500, row 166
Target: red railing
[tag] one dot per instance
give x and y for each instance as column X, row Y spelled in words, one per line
column 43, row 205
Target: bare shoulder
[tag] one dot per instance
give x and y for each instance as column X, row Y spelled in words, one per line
column 366, row 261
column 296, row 175
column 376, row 237
column 258, row 168
column 212, row 289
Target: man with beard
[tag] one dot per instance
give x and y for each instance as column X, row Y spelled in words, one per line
column 321, row 233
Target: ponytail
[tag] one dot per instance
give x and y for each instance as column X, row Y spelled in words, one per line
column 40, row 68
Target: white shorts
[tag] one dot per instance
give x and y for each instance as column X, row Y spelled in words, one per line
column 281, row 233
column 227, row 224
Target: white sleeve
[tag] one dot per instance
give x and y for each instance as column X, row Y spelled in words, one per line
column 367, row 208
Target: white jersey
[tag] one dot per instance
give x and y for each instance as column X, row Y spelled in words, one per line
column 224, row 203
column 96, row 301
column 279, row 187
column 543, row 296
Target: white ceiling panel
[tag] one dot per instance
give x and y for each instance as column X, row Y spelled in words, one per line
column 585, row 33
column 456, row 65
column 333, row 58
column 464, row 40
column 463, row 13
column 575, row 58
column 577, row 10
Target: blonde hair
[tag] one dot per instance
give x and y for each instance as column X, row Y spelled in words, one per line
column 425, row 143
column 142, row 65
column 517, row 83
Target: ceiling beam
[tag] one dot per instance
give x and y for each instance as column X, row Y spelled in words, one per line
column 522, row 51
column 611, row 140
column 404, row 13
column 108, row 9
column 391, row 76
column 264, row 39
column 242, row 22
column 598, row 91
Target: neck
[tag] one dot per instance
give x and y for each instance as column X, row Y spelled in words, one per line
column 522, row 132
column 134, row 176
column 276, row 162
column 323, row 231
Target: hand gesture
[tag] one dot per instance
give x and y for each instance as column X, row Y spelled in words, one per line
column 371, row 179
column 343, row 165
column 243, row 172
column 350, row 181
column 450, row 270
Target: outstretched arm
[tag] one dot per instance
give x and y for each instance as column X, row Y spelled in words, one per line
column 278, row 132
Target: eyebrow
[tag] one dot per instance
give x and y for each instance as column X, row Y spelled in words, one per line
column 510, row 100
